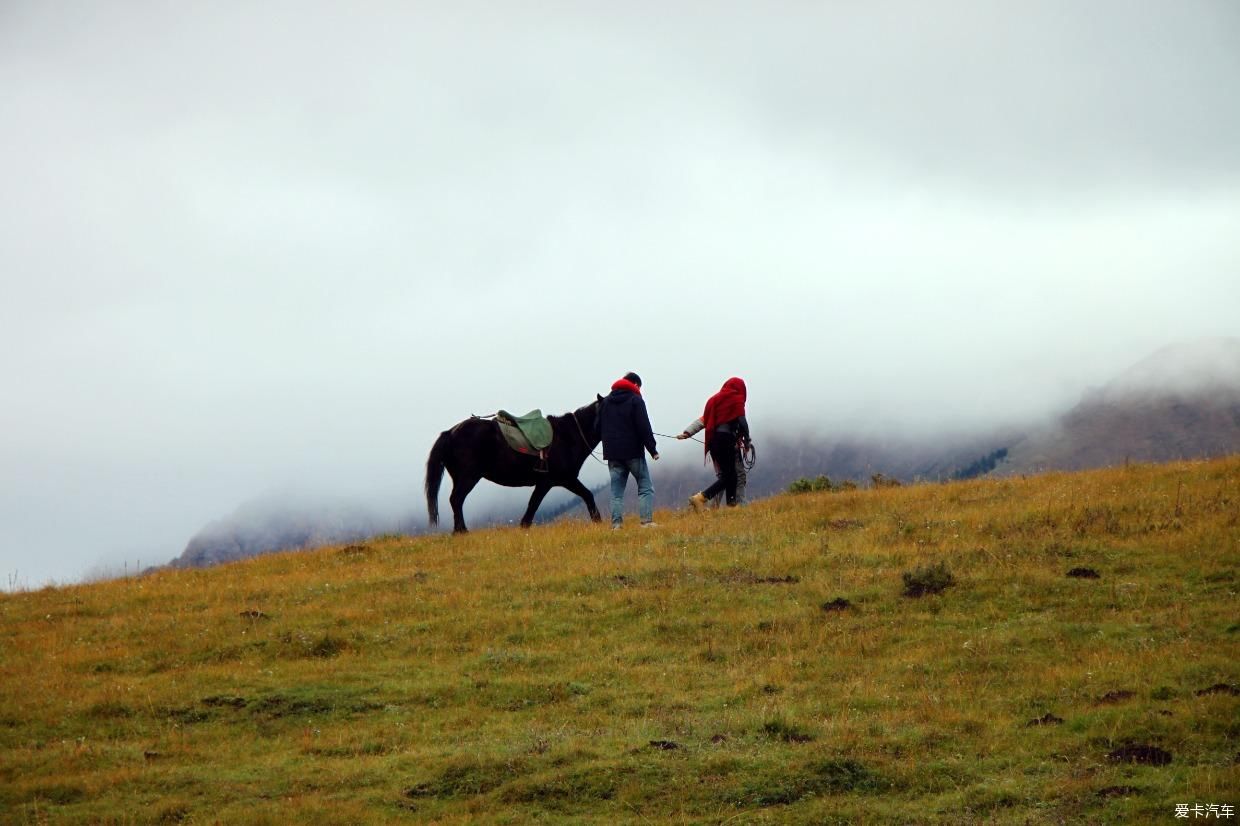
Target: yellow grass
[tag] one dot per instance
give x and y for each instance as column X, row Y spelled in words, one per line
column 518, row 676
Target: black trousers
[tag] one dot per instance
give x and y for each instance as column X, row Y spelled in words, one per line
column 723, row 451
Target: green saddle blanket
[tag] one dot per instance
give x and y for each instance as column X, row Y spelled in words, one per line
column 530, row 433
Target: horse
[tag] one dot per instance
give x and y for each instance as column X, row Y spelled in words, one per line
column 475, row 449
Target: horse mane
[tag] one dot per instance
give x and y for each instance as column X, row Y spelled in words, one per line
column 585, row 408
column 567, row 419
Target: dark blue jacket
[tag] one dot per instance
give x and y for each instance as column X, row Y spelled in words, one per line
column 626, row 426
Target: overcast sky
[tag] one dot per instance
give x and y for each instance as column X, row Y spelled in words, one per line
column 248, row 247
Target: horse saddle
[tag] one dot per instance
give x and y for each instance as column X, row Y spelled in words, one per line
column 529, row 434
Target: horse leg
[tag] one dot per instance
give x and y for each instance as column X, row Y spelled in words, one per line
column 581, row 490
column 460, row 489
column 540, row 490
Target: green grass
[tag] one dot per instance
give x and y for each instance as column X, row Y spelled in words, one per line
column 688, row 674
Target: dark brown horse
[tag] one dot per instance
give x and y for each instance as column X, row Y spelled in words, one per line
column 475, row 449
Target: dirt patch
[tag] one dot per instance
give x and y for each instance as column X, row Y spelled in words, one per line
column 1046, row 719
column 844, row 524
column 327, row 647
column 570, row 790
column 719, row 738
column 1138, row 753
column 837, row 604
column 662, row 578
column 738, row 576
column 790, row 784
column 305, row 645
column 467, row 778
column 664, row 745
column 60, row 794
column 1118, row 791
column 187, row 716
column 217, row 701
column 779, row 729
column 1112, row 697
column 283, row 705
column 109, row 709
column 1219, row 688
column 1084, row 573
column 253, row 614
column 354, row 550
column 174, row 814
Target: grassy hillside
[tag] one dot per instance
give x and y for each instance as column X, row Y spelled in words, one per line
column 700, row 672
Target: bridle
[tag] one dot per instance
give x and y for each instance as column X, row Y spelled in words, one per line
column 584, row 440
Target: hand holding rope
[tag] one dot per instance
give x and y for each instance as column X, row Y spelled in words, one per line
column 745, row 447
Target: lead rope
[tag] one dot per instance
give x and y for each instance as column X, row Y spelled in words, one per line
column 670, row 436
column 584, row 440
column 749, row 453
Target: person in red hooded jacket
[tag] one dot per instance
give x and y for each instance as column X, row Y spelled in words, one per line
column 725, row 429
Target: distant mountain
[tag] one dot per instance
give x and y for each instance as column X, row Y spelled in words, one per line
column 281, row 523
column 1182, row 402
column 784, row 456
column 290, row 521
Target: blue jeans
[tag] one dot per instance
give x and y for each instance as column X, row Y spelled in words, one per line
column 645, row 488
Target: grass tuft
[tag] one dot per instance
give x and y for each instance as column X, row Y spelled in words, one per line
column 828, row 777
column 928, row 579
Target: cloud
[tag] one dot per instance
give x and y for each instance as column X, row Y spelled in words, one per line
column 255, row 247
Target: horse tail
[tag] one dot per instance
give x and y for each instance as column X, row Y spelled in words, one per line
column 434, row 474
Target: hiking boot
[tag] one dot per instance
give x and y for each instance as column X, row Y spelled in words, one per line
column 616, row 527
column 697, row 501
column 650, row 524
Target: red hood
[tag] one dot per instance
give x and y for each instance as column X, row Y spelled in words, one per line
column 625, row 384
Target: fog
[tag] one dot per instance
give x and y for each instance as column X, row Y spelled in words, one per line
column 248, row 248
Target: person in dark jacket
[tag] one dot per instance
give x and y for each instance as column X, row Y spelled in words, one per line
column 626, row 436
column 725, row 429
